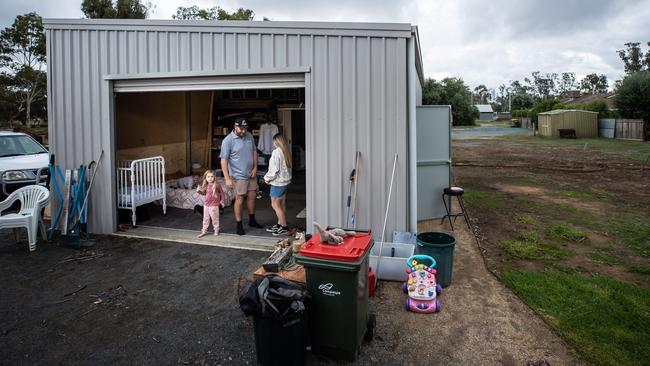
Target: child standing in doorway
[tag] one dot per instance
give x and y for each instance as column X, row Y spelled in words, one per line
column 213, row 198
column 279, row 177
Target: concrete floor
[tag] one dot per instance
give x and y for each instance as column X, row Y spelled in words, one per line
column 177, row 218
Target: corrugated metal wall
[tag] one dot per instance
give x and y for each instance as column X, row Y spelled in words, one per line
column 356, row 97
column 606, row 127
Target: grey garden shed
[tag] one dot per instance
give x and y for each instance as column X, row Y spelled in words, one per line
column 362, row 83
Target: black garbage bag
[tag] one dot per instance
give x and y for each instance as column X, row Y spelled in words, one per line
column 273, row 297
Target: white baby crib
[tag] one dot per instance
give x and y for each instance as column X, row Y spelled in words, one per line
column 140, row 182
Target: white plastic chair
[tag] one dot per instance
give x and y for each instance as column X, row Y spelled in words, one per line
column 32, row 199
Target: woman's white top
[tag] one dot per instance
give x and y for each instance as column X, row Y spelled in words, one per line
column 278, row 173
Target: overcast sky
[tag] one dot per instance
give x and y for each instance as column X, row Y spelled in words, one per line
column 482, row 42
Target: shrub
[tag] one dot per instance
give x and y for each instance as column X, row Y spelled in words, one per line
column 599, row 106
column 633, row 97
column 517, row 113
column 543, row 106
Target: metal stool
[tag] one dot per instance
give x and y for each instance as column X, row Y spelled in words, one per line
column 454, row 192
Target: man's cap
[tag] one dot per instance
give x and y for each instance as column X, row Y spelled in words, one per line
column 241, row 123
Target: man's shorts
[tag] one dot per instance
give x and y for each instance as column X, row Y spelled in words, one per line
column 243, row 186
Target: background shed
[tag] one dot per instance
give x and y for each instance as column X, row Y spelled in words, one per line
column 585, row 123
column 486, row 113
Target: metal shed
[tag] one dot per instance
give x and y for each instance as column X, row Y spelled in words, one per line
column 486, row 113
column 585, row 123
column 362, row 82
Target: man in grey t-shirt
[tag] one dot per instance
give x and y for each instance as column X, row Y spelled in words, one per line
column 239, row 166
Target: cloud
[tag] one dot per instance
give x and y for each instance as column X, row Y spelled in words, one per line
column 482, row 42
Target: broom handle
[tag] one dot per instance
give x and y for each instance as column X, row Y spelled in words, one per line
column 383, row 230
column 354, row 195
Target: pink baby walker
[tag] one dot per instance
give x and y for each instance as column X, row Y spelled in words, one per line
column 421, row 286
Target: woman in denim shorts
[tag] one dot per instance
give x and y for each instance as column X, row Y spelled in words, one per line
column 278, row 177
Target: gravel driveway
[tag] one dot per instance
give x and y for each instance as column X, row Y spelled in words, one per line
column 146, row 302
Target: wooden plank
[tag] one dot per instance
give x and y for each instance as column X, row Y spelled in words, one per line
column 296, row 276
column 208, row 139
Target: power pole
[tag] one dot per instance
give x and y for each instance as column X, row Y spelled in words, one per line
column 509, row 102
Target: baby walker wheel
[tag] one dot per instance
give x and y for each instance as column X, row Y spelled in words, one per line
column 407, row 304
column 438, row 289
column 405, row 287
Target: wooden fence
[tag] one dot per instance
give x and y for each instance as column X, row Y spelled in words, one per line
column 630, row 129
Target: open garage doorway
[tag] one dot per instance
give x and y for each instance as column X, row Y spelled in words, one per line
column 187, row 129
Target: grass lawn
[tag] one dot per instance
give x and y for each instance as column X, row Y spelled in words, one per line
column 605, row 319
column 573, row 245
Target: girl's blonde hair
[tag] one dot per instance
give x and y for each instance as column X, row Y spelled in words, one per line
column 204, row 182
column 282, row 144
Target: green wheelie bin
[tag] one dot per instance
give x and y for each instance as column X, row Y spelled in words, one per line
column 337, row 280
column 440, row 246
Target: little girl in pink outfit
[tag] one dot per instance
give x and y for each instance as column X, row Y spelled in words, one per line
column 213, row 198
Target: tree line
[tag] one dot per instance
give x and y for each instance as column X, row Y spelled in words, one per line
column 23, row 79
column 542, row 92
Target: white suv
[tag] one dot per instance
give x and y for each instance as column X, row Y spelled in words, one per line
column 23, row 161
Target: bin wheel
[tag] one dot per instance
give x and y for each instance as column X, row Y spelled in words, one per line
column 370, row 327
column 405, row 287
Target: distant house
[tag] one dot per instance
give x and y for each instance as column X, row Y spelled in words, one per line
column 584, row 99
column 486, row 112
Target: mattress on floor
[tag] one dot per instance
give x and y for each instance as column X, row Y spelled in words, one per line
column 141, row 193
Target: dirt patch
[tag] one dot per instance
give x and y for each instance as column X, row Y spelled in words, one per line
column 593, row 207
column 585, row 200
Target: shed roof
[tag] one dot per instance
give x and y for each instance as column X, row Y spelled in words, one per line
column 398, row 30
column 561, row 111
column 606, row 97
column 484, row 108
column 253, row 26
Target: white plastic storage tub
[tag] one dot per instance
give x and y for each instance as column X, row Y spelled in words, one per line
column 393, row 260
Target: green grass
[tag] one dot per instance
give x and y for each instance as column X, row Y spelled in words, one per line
column 566, row 232
column 526, row 220
column 592, row 194
column 576, row 194
column 503, row 123
column 603, row 194
column 607, row 321
column 585, row 220
column 566, row 207
column 638, row 268
column 605, row 256
column 530, row 236
column 484, row 199
column 529, row 246
column 569, row 269
column 634, row 230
